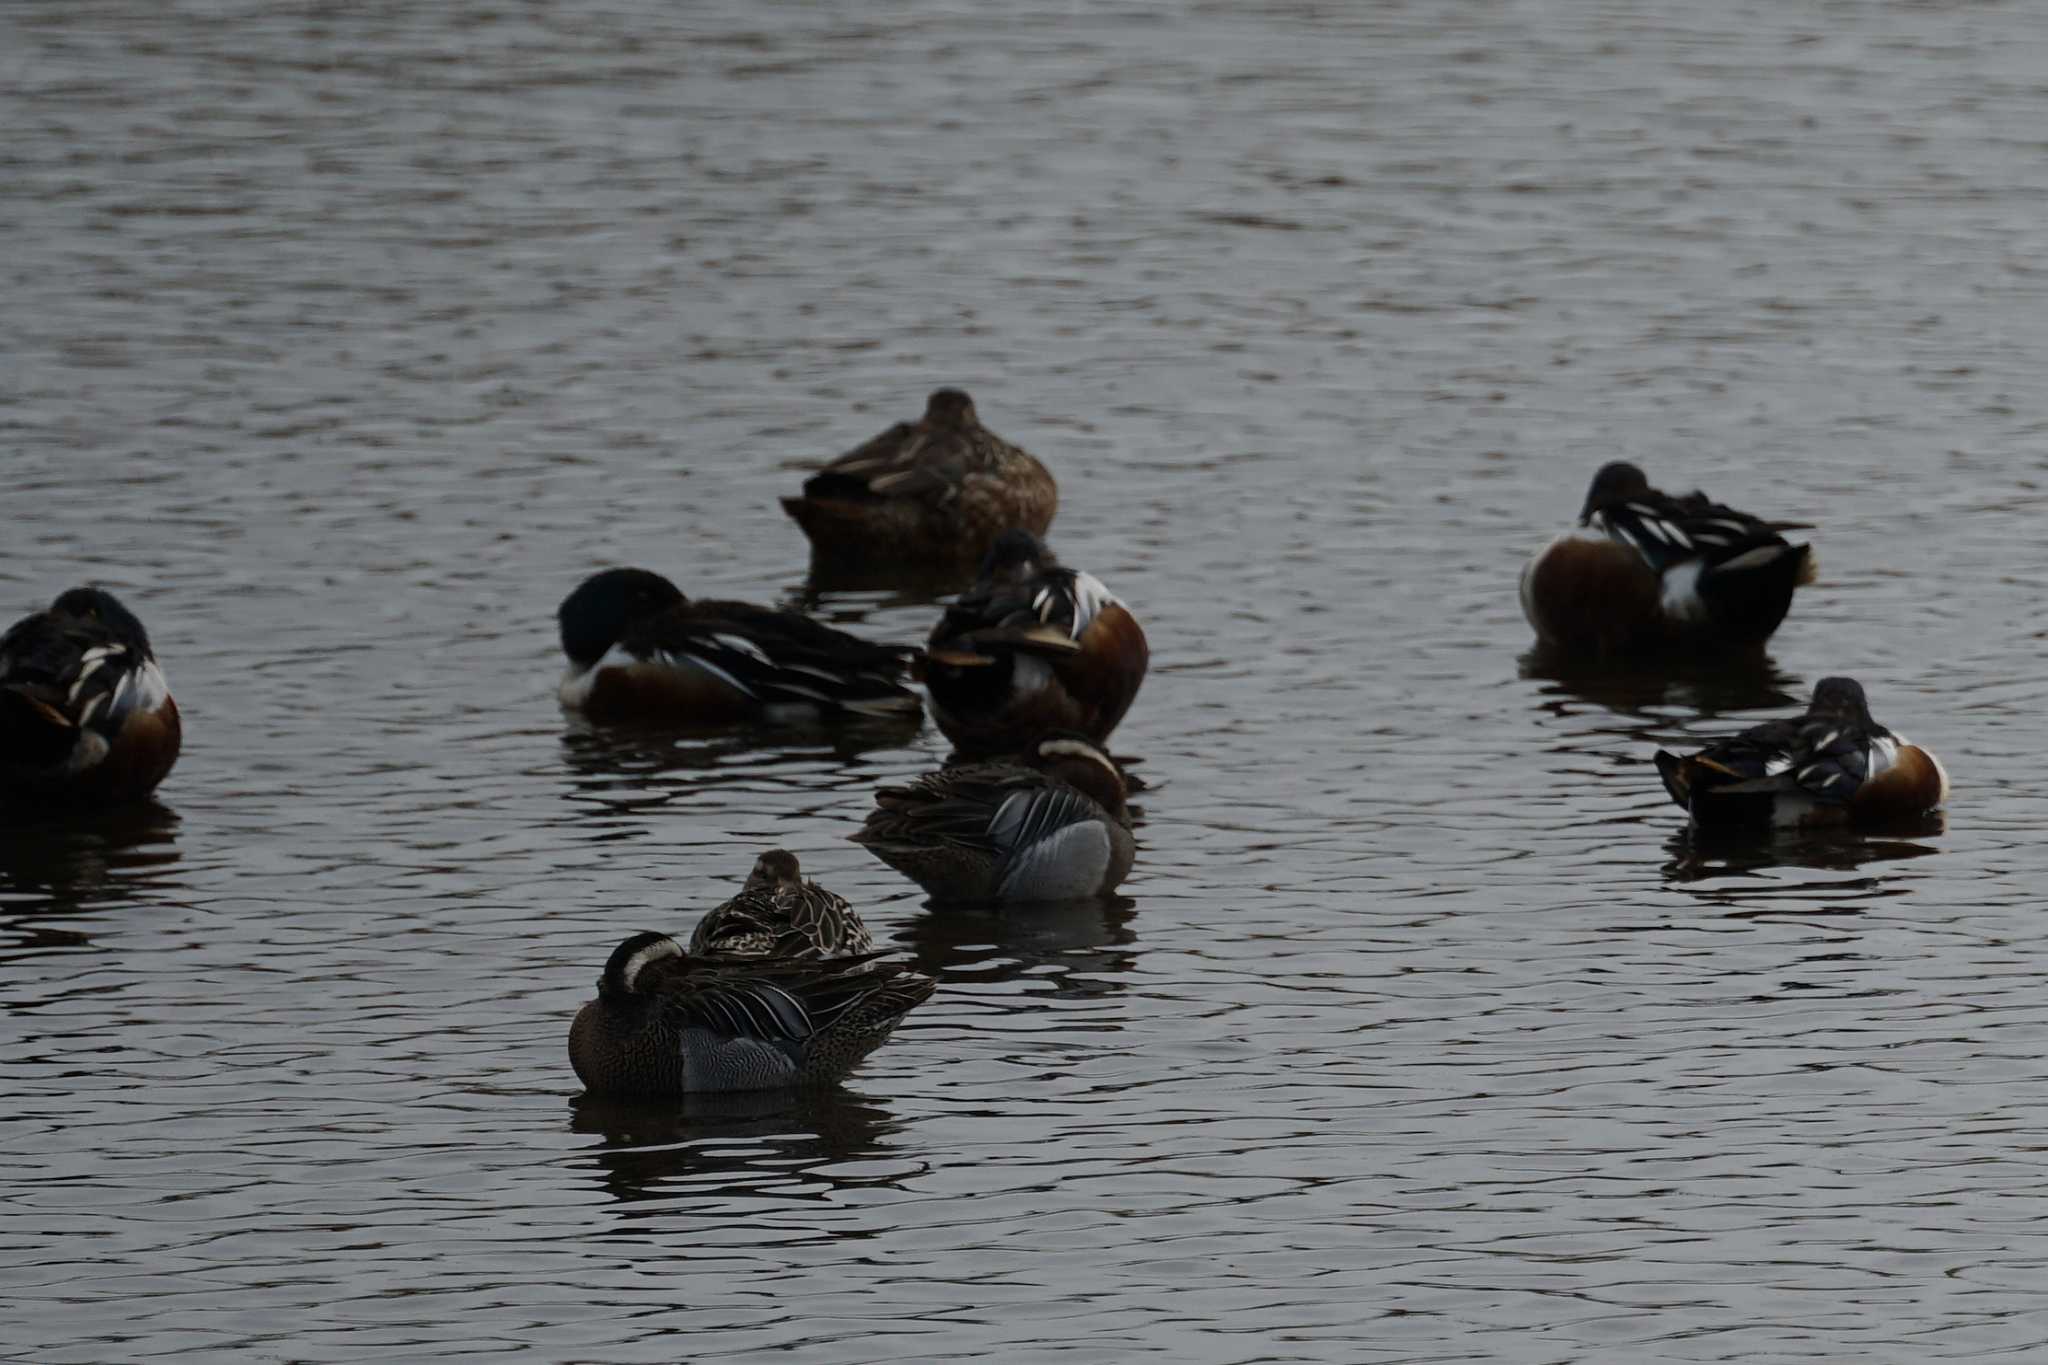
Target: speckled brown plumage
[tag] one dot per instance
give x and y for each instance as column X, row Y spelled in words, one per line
column 666, row 1024
column 930, row 495
column 778, row 914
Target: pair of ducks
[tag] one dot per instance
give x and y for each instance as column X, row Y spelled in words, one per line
column 781, row 986
column 1645, row 574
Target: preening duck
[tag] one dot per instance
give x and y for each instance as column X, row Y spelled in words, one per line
column 778, row 914
column 931, row 494
column 1032, row 648
column 1049, row 827
column 641, row 651
column 85, row 714
column 1833, row 765
column 666, row 1023
column 1645, row 571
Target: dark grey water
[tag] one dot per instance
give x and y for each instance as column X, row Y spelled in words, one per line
column 342, row 339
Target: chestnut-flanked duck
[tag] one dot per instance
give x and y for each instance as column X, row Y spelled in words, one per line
column 85, row 715
column 1832, row 765
column 1644, row 572
column 639, row 651
column 1033, row 647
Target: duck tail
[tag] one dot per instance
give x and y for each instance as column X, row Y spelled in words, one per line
column 1809, row 567
column 1677, row 781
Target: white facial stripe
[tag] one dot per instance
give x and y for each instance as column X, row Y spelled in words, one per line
column 652, row 953
column 1073, row 748
column 1680, row 595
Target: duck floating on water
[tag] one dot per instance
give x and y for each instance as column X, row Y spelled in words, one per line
column 1050, row 826
column 1645, row 572
column 1832, row 765
column 85, row 715
column 930, row 495
column 778, row 914
column 1033, row 647
column 639, row 651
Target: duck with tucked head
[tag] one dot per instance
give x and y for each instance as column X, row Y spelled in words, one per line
column 778, row 914
column 666, row 1023
column 931, row 495
column 1645, row 572
column 1033, row 647
column 1833, row 765
column 85, row 715
column 1050, row 826
column 641, row 651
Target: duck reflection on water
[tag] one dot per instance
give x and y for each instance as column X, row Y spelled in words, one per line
column 1697, row 855
column 1708, row 688
column 744, row 1145
column 81, row 859
column 1066, row 948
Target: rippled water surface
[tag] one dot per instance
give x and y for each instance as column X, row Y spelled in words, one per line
column 342, row 339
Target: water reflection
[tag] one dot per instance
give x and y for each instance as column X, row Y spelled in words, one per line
column 1709, row 687
column 898, row 586
column 740, row 1145
column 1697, row 855
column 651, row 751
column 1076, row 948
column 71, row 860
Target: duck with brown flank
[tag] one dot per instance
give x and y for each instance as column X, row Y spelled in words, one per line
column 1049, row 827
column 1832, row 765
column 1033, row 647
column 85, row 714
column 1644, row 572
column 639, row 651
column 930, row 495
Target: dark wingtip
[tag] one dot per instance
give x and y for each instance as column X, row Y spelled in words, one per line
column 1671, row 768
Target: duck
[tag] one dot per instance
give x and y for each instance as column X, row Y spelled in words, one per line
column 639, row 651
column 86, row 717
column 778, row 914
column 1032, row 647
column 931, row 494
column 666, row 1023
column 1644, row 572
column 1049, row 826
column 1832, row 765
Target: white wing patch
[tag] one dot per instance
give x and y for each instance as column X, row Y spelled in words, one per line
column 1090, row 598
column 577, row 684
column 1681, row 590
column 740, row 644
column 704, row 665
